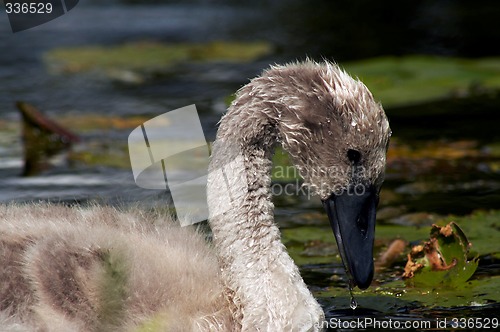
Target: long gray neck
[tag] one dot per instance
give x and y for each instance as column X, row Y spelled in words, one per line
column 263, row 282
column 239, row 192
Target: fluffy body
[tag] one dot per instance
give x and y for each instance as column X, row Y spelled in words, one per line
column 169, row 279
column 99, row 269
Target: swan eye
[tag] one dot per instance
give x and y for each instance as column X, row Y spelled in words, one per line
column 353, row 156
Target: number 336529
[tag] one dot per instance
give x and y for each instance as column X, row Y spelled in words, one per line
column 28, row 8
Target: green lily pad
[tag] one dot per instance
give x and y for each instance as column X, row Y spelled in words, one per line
column 441, row 261
column 101, row 156
column 482, row 229
column 150, row 56
column 398, row 81
column 475, row 292
column 388, row 232
column 310, row 245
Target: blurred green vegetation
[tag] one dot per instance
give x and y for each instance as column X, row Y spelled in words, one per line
column 150, row 56
column 397, row 81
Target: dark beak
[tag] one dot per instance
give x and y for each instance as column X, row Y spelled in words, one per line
column 352, row 217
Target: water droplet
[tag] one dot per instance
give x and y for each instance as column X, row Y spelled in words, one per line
column 354, row 303
column 353, row 123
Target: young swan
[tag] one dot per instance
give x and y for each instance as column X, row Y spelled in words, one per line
column 98, row 269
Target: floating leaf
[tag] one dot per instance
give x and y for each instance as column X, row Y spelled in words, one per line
column 482, row 229
column 150, row 56
column 415, row 79
column 441, row 261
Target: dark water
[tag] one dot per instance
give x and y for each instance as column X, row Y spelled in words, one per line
column 340, row 30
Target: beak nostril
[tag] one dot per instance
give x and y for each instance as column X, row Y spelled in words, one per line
column 362, row 219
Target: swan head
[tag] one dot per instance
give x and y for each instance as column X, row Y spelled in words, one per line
column 337, row 136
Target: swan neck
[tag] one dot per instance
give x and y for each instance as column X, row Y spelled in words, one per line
column 240, row 201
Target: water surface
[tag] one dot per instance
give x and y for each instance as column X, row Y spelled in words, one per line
column 444, row 158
